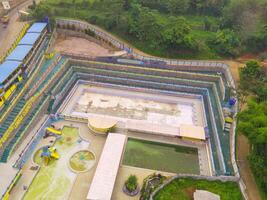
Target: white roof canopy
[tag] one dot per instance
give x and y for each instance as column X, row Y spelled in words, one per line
column 105, row 175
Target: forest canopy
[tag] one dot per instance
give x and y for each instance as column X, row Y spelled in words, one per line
column 174, row 28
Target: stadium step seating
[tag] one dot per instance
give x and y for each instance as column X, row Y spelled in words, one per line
column 12, row 115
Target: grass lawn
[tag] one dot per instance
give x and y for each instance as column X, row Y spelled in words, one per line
column 183, row 189
column 160, row 156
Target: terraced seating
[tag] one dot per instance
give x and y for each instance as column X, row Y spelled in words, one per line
column 12, row 115
column 19, row 133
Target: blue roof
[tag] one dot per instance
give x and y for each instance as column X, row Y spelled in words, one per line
column 29, row 38
column 37, row 27
column 7, row 68
column 19, row 53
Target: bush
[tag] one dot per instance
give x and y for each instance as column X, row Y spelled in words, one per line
column 263, row 56
column 131, row 183
column 93, row 19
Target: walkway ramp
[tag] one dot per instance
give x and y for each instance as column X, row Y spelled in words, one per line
column 106, row 172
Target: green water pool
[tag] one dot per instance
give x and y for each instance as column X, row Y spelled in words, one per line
column 161, row 156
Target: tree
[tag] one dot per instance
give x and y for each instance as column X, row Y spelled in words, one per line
column 143, row 24
column 41, row 11
column 253, row 124
column 131, row 183
column 175, row 7
column 176, row 34
column 226, row 43
column 126, row 4
column 251, row 70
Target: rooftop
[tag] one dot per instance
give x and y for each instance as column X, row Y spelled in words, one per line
column 106, row 172
column 29, row 39
column 37, row 27
column 7, row 68
column 193, row 132
column 19, row 53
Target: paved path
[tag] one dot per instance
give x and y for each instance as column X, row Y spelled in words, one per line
column 9, row 34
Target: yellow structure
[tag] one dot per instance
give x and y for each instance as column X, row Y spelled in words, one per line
column 49, row 56
column 52, row 130
column 6, row 196
column 192, row 132
column 7, row 94
column 101, row 125
column 229, row 120
column 54, row 153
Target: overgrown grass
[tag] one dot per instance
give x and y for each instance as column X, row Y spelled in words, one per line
column 183, row 189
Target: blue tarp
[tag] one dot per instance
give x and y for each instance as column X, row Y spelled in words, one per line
column 19, row 53
column 29, row 39
column 7, row 68
column 37, row 27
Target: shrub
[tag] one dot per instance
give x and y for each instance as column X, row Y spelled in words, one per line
column 131, row 183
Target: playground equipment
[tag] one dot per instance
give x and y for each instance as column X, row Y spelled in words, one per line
column 49, row 56
column 49, row 153
column 51, row 131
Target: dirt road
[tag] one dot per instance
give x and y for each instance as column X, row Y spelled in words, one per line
column 9, row 34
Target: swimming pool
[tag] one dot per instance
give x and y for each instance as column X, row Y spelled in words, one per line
column 161, row 156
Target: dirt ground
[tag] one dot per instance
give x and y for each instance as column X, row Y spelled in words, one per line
column 81, row 46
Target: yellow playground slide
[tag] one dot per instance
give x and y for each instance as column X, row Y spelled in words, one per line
column 54, row 153
column 52, row 130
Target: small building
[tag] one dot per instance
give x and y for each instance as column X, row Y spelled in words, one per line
column 205, row 195
column 192, row 132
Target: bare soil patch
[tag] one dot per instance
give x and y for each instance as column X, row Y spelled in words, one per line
column 81, row 46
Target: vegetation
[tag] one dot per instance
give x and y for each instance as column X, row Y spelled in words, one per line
column 131, row 183
column 253, row 120
column 183, row 189
column 173, row 28
column 151, row 183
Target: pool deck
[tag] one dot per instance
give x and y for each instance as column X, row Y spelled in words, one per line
column 81, row 184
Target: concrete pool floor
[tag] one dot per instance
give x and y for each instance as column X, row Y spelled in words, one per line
column 123, row 105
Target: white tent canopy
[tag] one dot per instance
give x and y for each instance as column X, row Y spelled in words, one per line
column 106, row 172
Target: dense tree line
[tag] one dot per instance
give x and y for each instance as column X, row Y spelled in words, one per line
column 231, row 26
column 252, row 122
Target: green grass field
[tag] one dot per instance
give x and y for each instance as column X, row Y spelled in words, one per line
column 162, row 157
column 183, row 189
